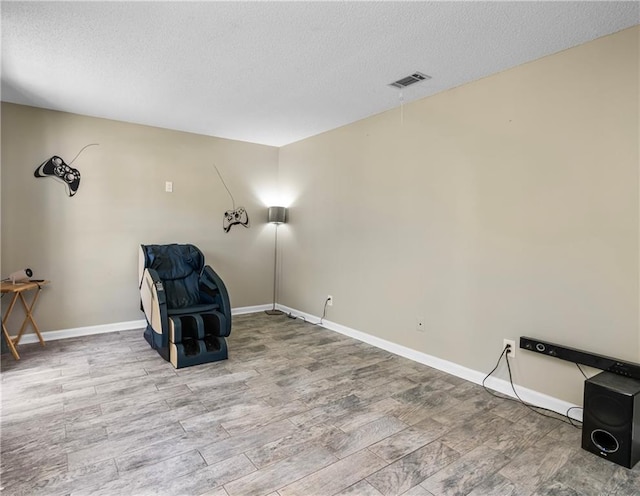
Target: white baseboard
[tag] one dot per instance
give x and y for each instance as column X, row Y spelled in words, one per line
column 76, row 332
column 502, row 386
column 252, row 309
column 131, row 325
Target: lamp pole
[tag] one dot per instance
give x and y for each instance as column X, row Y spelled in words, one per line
column 277, row 216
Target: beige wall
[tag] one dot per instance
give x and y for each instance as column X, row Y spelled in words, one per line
column 502, row 208
column 87, row 245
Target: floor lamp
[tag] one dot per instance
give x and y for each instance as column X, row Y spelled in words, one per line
column 277, row 216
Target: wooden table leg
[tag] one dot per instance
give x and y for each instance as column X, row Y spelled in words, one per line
column 7, row 337
column 28, row 309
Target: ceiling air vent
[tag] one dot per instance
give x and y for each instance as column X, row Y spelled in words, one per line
column 416, row 77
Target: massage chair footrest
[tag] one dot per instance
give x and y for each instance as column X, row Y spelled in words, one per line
column 197, row 326
column 198, row 351
column 195, row 339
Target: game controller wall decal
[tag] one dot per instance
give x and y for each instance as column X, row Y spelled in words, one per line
column 56, row 168
column 235, row 215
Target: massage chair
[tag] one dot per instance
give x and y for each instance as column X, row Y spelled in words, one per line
column 186, row 305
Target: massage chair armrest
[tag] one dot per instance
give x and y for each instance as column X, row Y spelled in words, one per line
column 213, row 286
column 154, row 303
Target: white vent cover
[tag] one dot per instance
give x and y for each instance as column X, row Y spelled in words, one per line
column 416, row 77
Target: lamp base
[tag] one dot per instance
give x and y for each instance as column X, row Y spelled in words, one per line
column 274, row 312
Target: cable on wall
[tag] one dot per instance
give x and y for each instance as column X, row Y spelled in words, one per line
column 233, row 202
column 235, row 216
column 81, row 150
column 301, row 317
column 537, row 409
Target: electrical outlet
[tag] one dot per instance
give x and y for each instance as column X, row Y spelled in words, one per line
column 420, row 324
column 168, row 186
column 329, row 301
column 512, row 351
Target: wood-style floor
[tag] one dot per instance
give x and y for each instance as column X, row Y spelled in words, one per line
column 296, row 410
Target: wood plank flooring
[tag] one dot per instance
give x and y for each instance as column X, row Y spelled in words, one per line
column 297, row 410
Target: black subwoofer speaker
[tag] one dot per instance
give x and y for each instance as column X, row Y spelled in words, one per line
column 611, row 420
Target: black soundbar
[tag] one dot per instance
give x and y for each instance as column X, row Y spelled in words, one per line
column 627, row 369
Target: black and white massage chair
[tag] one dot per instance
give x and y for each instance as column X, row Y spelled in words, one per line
column 186, row 305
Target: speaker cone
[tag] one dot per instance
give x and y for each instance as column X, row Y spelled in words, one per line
column 605, row 441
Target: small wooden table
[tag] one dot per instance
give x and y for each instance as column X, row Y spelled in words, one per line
column 17, row 289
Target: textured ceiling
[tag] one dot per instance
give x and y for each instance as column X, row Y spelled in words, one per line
column 272, row 72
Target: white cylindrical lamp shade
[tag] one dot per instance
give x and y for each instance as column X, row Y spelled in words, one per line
column 277, row 215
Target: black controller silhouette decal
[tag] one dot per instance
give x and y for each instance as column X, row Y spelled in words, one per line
column 56, row 168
